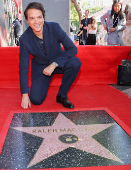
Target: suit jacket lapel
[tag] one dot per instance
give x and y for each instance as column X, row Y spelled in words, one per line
column 35, row 45
column 46, row 37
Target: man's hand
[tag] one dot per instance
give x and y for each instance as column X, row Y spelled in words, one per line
column 25, row 103
column 49, row 70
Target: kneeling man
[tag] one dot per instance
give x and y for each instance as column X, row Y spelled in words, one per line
column 43, row 41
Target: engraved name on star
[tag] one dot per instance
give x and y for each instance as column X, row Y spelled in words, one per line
column 64, row 134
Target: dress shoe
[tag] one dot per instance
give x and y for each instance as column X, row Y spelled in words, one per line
column 64, row 102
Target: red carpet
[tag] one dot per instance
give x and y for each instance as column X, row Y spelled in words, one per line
column 99, row 68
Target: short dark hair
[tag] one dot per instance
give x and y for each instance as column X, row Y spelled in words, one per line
column 34, row 5
column 87, row 10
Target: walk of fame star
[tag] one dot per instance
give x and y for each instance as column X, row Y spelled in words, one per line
column 64, row 134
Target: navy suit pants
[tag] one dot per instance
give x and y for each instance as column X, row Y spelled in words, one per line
column 41, row 82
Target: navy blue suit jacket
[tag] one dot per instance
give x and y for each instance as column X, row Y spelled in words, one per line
column 54, row 36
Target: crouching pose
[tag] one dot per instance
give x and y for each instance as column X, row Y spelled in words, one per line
column 43, row 41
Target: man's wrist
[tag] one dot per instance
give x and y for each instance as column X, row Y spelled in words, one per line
column 55, row 64
column 25, row 95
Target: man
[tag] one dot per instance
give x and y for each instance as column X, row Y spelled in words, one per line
column 83, row 26
column 42, row 40
column 17, row 25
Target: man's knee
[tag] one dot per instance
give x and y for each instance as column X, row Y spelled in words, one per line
column 76, row 63
column 37, row 100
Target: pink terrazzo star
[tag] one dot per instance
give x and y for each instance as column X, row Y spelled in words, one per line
column 76, row 136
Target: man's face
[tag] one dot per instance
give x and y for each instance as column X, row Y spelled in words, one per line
column 35, row 20
column 86, row 14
